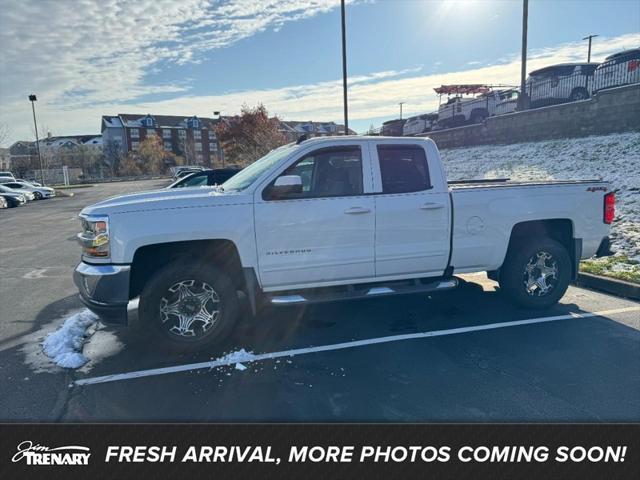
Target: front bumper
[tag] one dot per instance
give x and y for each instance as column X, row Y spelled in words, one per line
column 104, row 289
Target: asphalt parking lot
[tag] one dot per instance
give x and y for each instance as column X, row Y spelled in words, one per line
column 481, row 360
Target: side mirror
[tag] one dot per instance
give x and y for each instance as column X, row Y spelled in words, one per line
column 286, row 185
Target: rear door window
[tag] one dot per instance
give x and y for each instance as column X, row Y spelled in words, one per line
column 404, row 169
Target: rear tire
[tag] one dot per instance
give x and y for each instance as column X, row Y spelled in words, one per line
column 536, row 273
column 188, row 306
column 579, row 94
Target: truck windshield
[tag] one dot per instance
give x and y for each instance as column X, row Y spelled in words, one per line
column 245, row 177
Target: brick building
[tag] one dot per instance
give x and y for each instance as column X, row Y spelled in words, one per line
column 192, row 138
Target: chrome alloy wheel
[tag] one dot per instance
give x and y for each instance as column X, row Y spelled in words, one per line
column 189, row 308
column 540, row 275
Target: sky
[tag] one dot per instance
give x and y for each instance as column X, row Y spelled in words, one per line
column 88, row 58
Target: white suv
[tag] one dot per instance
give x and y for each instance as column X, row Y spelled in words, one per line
column 567, row 82
column 619, row 69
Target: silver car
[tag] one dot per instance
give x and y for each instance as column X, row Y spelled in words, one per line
column 16, row 196
column 38, row 192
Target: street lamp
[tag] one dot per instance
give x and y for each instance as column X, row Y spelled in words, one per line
column 33, row 99
column 590, row 37
column 522, row 98
column 344, row 70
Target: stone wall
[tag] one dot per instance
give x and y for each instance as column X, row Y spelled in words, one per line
column 609, row 111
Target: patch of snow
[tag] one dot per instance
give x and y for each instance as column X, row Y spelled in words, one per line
column 64, row 346
column 238, row 357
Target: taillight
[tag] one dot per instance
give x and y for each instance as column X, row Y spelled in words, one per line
column 609, row 207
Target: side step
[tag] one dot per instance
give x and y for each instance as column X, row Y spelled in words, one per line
column 318, row 296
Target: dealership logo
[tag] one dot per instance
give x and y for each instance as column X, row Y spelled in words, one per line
column 597, row 189
column 41, row 455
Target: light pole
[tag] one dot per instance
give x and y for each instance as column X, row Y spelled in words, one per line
column 589, row 52
column 344, row 69
column 401, row 103
column 522, row 98
column 33, row 99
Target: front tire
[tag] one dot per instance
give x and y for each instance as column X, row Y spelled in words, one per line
column 37, row 196
column 536, row 273
column 188, row 306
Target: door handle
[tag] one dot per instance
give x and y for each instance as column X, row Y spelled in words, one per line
column 431, row 206
column 356, row 210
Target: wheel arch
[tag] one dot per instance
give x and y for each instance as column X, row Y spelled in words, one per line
column 558, row 229
column 148, row 259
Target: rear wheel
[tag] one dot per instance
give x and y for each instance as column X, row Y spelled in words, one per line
column 188, row 306
column 536, row 273
column 579, row 94
column 478, row 117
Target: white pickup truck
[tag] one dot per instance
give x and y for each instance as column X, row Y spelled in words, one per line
column 328, row 219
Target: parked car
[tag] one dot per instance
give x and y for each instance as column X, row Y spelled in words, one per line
column 205, row 178
column 328, row 219
column 7, row 174
column 183, row 170
column 38, row 192
column 467, row 104
column 419, row 124
column 508, row 102
column 13, row 198
column 393, row 128
column 619, row 69
column 30, row 182
column 567, row 82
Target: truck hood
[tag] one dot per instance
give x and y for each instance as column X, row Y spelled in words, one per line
column 165, row 199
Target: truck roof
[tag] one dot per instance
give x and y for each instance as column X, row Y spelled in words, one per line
column 350, row 138
column 561, row 65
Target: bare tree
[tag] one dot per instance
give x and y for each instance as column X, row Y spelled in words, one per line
column 249, row 136
column 4, row 134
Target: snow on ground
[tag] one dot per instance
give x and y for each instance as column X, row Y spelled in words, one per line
column 615, row 158
column 64, row 346
column 238, row 357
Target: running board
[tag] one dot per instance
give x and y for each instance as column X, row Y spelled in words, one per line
column 352, row 293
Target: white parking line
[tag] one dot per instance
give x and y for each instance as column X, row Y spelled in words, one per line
column 340, row 346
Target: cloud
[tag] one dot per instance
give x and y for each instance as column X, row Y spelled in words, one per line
column 98, row 67
column 87, row 52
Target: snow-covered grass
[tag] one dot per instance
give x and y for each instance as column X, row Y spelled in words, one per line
column 64, row 346
column 615, row 158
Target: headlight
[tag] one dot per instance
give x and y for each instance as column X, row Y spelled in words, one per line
column 94, row 237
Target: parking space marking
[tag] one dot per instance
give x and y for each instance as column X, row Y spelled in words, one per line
column 249, row 358
column 37, row 273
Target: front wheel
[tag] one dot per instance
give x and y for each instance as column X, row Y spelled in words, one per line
column 579, row 94
column 37, row 196
column 188, row 306
column 536, row 273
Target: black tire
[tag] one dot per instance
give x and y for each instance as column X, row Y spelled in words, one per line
column 164, row 295
column 478, row 117
column 579, row 94
column 37, row 196
column 521, row 267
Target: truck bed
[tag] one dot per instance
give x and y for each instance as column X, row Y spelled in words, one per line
column 505, row 182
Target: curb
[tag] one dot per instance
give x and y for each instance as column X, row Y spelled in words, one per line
column 613, row 286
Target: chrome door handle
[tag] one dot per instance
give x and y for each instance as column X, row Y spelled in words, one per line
column 356, row 210
column 431, row 206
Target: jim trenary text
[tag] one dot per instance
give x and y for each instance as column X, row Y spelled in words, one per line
column 365, row 454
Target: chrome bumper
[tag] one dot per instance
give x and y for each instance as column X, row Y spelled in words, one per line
column 104, row 289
